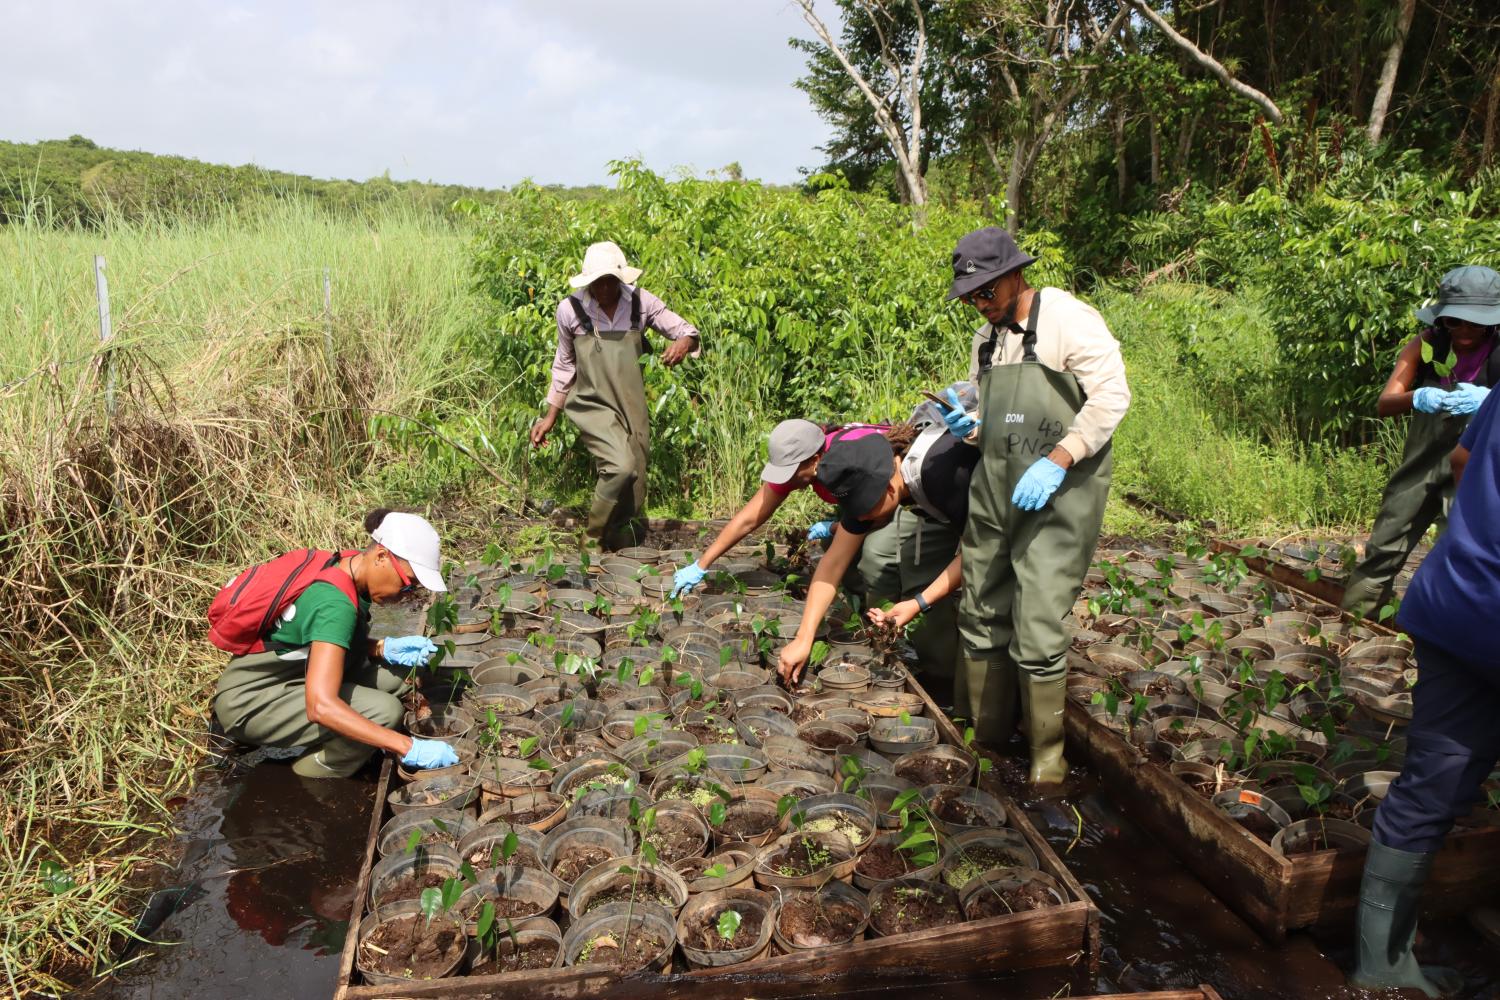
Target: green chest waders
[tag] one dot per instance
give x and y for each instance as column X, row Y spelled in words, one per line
column 1023, row 569
column 1416, row 497
column 608, row 405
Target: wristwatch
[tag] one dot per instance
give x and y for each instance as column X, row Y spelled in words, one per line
column 922, row 604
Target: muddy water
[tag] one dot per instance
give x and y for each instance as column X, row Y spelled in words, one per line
column 259, row 903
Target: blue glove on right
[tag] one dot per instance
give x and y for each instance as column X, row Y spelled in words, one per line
column 685, row 579
column 1428, row 399
column 1037, row 484
column 427, row 754
column 960, row 424
column 409, row 650
column 820, row 531
column 1465, row 399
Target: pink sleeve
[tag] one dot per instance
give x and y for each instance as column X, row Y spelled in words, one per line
column 656, row 315
column 564, row 367
column 780, row 489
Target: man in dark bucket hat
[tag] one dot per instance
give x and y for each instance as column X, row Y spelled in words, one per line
column 1052, row 390
column 1441, row 377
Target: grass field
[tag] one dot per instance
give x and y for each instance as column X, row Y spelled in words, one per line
column 239, row 434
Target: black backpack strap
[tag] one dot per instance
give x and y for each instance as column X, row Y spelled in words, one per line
column 581, row 313
column 635, row 309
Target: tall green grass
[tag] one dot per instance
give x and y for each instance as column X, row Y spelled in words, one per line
column 237, row 433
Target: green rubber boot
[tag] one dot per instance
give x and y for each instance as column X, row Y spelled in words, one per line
column 1387, row 926
column 992, row 696
column 338, row 758
column 1042, row 703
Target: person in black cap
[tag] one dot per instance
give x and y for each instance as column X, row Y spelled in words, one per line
column 1052, row 390
column 871, row 479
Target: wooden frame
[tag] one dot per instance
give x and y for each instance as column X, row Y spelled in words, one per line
column 1059, row 936
column 1273, row 893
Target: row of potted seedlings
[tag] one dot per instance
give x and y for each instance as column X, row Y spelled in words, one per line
column 1288, row 719
column 653, row 801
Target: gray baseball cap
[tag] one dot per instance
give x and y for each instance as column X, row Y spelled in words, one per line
column 792, row 443
column 1471, row 292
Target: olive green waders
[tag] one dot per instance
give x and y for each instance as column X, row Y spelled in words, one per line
column 608, row 404
column 262, row 700
column 1417, row 497
column 1023, row 569
column 896, row 563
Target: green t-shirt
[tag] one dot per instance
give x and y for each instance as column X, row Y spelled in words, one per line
column 321, row 613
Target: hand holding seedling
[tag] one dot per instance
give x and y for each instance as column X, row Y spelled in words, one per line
column 677, row 350
column 793, row 658
column 543, row 427
column 898, row 616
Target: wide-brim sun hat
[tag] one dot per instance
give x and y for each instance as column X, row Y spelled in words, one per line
column 1471, row 292
column 601, row 260
column 411, row 538
column 982, row 256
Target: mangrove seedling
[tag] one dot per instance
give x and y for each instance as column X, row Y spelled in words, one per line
column 729, row 924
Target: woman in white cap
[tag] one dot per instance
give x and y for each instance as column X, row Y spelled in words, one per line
column 796, row 446
column 1441, row 377
column 596, row 379
column 317, row 679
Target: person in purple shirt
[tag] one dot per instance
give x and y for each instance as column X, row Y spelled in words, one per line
column 596, row 379
column 1453, row 740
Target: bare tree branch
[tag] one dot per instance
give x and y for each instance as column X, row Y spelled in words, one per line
column 1209, row 63
column 1387, row 86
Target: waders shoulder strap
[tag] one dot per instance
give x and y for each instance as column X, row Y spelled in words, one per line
column 581, row 313
column 635, row 309
column 1028, row 335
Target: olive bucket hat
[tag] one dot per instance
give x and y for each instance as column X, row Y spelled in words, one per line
column 1471, row 293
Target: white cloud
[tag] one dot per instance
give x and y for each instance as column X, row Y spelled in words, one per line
column 453, row 90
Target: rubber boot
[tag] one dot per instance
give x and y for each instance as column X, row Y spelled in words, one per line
column 1042, row 701
column 338, row 758
column 599, row 515
column 1387, row 925
column 993, row 696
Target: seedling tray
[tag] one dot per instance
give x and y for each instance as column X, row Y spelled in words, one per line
column 1065, row 936
column 1273, row 893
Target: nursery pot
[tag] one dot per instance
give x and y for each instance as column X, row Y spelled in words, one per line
column 656, row 884
column 526, row 932
column 893, row 737
column 605, row 838
column 441, row 861
column 890, row 900
column 615, row 921
column 958, row 808
column 1318, row 833
column 986, row 896
column 450, row 791
column 432, row 821
column 698, row 927
column 882, row 844
column 837, row 855
column 833, row 896
column 968, row 855
column 365, row 959
column 939, row 765
column 532, row 892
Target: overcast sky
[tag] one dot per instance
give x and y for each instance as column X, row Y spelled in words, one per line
column 481, row 92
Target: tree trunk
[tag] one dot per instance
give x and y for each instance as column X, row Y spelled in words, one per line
column 1122, row 167
column 1491, row 119
column 1387, row 85
column 1015, row 177
column 1155, row 151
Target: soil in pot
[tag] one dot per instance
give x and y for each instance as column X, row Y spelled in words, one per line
column 882, row 861
column 506, row 908
column 537, row 954
column 1261, row 826
column 411, row 884
column 675, row 838
column 434, row 725
column 802, row 856
column 811, row 922
column 933, row 771
column 573, row 859
column 824, row 739
column 746, row 819
column 632, row 951
column 530, row 816
column 508, row 743
column 977, row 860
column 709, row 733
column 403, row 946
column 949, row 808
column 488, row 856
column 703, row 930
column 840, row 823
column 907, row 908
column 997, row 902
column 646, row 890
column 1188, row 733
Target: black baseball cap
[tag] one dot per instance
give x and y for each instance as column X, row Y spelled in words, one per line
column 982, row 256
column 857, row 473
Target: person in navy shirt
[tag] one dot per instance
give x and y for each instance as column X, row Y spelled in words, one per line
column 1453, row 741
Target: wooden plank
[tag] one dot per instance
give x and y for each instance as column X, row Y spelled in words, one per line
column 1035, row 940
column 362, row 887
column 1237, row 867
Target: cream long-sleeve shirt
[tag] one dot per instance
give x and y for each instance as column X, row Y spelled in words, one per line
column 1072, row 337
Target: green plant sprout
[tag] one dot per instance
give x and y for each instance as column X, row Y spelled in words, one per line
column 729, row 924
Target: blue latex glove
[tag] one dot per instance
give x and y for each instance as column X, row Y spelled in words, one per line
column 1428, row 399
column 429, row 754
column 1038, row 484
column 409, row 651
column 685, row 579
column 1465, row 399
column 960, row 424
column 820, row 531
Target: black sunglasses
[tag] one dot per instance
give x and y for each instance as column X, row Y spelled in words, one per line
column 1453, row 323
column 984, row 294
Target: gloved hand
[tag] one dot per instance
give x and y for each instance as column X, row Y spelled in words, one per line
column 1465, row 399
column 428, row 754
column 409, row 650
column 1037, row 485
column 960, row 424
column 685, row 579
column 820, row 531
column 1428, row 399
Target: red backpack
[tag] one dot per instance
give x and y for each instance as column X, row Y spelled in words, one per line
column 246, row 609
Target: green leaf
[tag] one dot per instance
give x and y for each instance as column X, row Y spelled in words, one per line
column 715, row 871
column 486, row 920
column 905, row 717
column 412, row 840
column 508, row 845
column 915, row 839
column 729, row 924
column 717, row 813
column 904, row 799
column 430, row 902
column 55, row 879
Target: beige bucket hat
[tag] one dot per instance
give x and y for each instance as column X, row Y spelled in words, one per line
column 602, row 259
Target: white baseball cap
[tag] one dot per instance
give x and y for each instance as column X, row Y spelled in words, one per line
column 416, row 541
